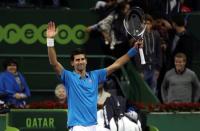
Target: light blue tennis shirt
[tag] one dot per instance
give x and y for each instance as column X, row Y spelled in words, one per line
column 82, row 95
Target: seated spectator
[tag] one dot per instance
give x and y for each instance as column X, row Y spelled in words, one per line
column 2, row 92
column 103, row 95
column 14, row 85
column 180, row 84
column 61, row 94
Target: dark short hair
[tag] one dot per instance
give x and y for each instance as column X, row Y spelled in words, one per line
column 8, row 62
column 78, row 51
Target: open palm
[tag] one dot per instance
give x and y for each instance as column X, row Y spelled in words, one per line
column 51, row 30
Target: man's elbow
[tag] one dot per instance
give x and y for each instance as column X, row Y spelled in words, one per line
column 51, row 63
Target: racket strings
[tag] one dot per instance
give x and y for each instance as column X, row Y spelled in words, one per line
column 134, row 24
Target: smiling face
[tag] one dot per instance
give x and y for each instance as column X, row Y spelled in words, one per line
column 180, row 64
column 79, row 63
column 61, row 93
column 12, row 68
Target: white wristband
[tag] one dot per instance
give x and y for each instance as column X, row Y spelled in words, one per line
column 50, row 42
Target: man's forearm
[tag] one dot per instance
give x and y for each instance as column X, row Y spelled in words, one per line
column 121, row 61
column 52, row 56
column 51, row 51
column 125, row 58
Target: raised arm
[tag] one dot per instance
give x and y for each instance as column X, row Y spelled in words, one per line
column 125, row 58
column 51, row 33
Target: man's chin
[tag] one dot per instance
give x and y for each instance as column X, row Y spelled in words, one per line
column 179, row 70
column 81, row 68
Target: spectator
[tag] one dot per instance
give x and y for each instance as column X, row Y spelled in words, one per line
column 180, row 40
column 113, row 31
column 152, row 52
column 163, row 27
column 2, row 91
column 61, row 94
column 180, row 84
column 14, row 85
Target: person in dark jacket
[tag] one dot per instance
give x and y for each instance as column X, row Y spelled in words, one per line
column 180, row 40
column 152, row 52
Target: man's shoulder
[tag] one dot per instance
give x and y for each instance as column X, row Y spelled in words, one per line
column 97, row 70
column 65, row 72
column 171, row 71
column 189, row 71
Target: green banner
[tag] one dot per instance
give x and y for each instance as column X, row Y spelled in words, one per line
column 38, row 119
column 171, row 121
column 55, row 120
column 2, row 122
column 24, row 31
column 30, row 34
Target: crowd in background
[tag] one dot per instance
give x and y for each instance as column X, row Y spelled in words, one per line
column 157, row 8
column 165, row 36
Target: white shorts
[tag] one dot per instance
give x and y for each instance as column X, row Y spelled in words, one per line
column 88, row 128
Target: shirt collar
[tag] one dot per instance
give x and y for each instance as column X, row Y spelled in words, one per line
column 86, row 75
column 180, row 73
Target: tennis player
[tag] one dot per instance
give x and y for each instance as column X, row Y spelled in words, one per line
column 82, row 86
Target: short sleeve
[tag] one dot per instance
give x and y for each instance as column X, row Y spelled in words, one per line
column 101, row 73
column 65, row 76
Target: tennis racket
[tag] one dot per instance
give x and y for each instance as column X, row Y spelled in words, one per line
column 134, row 24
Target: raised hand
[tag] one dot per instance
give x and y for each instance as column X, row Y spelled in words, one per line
column 138, row 44
column 51, row 30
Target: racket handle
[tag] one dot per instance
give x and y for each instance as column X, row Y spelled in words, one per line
column 142, row 56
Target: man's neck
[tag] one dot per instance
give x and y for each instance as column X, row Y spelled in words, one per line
column 62, row 101
column 180, row 71
column 81, row 73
